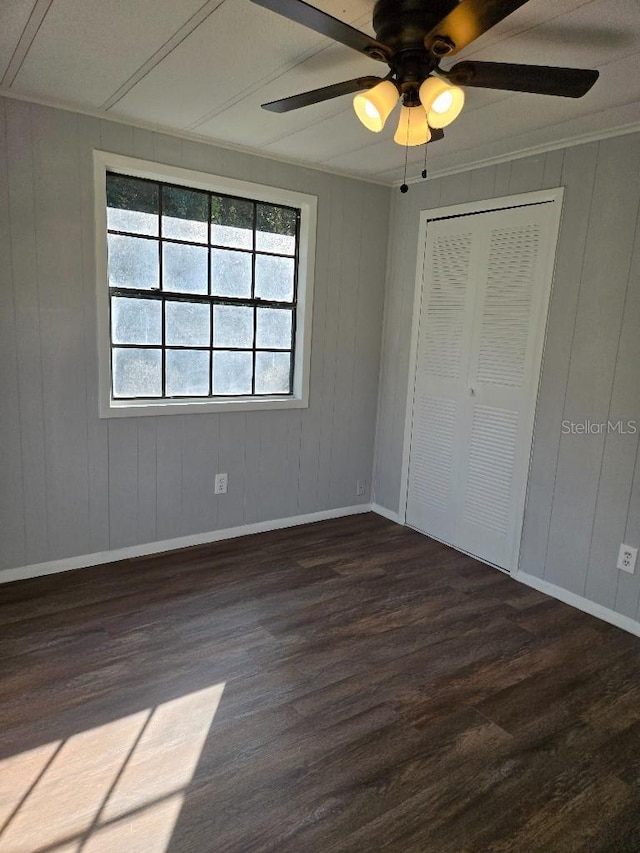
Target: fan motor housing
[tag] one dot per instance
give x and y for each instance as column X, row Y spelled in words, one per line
column 403, row 24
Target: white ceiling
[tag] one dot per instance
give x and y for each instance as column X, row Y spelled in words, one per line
column 205, row 69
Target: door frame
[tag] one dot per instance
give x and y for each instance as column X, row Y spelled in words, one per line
column 554, row 196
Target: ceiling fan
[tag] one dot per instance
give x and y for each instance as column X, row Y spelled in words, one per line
column 412, row 37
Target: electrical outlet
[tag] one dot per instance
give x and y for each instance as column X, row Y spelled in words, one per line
column 627, row 558
column 221, row 483
column 361, row 487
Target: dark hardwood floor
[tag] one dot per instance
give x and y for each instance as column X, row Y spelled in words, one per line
column 345, row 686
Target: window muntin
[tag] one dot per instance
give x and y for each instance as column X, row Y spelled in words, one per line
column 203, row 291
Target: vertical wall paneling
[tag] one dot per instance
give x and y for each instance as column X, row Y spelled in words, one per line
column 167, row 149
column 23, row 240
column 89, row 137
column 594, row 352
column 577, row 177
column 610, row 525
column 291, row 468
column 272, row 468
column 482, row 183
column 310, row 421
column 12, row 493
column 92, row 484
column 59, row 260
column 169, row 485
column 231, row 457
column 628, row 592
column 380, row 487
column 200, row 450
column 253, row 453
column 116, row 137
column 345, row 310
column 147, row 485
column 628, row 586
column 503, row 178
column 124, row 491
column 552, row 175
column 330, row 341
column 143, row 144
column 528, row 176
column 456, row 189
column 368, row 332
column 123, row 482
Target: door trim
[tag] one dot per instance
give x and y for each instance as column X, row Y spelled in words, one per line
column 553, row 196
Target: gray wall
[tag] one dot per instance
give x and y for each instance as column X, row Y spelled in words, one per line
column 584, row 492
column 72, row 484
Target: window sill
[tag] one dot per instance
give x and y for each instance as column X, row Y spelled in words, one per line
column 142, row 408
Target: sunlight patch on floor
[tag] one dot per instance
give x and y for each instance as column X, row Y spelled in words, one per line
column 116, row 787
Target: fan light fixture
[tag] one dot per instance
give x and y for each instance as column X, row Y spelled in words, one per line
column 374, row 107
column 441, row 104
column 413, row 128
column 442, row 101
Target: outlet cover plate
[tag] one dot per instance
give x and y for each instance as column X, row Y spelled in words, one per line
column 627, row 559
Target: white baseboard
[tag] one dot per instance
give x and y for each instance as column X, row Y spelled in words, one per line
column 54, row 566
column 598, row 610
column 386, row 513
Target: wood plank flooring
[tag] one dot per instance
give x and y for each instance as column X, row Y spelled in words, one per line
column 341, row 687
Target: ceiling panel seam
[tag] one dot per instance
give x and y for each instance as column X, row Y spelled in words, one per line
column 36, row 18
column 269, row 78
column 249, row 90
column 168, row 47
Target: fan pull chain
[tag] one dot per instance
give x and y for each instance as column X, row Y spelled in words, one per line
column 424, row 171
column 404, row 188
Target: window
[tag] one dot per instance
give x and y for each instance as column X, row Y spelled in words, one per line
column 204, row 291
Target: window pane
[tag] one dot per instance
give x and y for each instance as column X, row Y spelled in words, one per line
column 230, row 274
column 184, row 268
column 136, row 321
column 272, row 372
column 132, row 205
column 273, row 328
column 184, row 214
column 187, row 324
column 232, row 372
column 133, row 262
column 274, row 278
column 232, row 327
column 187, row 373
column 137, row 373
column 276, row 229
column 231, row 222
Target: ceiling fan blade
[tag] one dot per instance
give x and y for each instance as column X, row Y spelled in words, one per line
column 468, row 20
column 539, row 79
column 326, row 25
column 316, row 96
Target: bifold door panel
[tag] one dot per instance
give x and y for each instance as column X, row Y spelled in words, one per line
column 483, row 315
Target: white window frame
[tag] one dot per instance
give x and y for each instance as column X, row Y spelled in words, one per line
column 104, row 162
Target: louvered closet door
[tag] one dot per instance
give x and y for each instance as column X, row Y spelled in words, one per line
column 446, row 322
column 485, row 298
